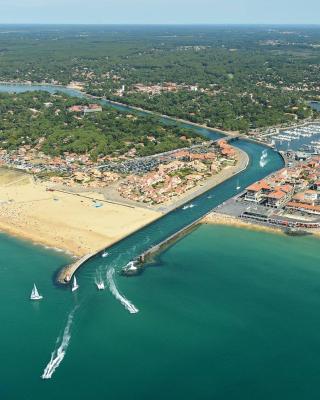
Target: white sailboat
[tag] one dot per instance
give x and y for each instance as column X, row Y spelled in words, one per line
column 75, row 285
column 35, row 294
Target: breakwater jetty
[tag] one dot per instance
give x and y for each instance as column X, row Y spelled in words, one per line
column 65, row 274
column 150, row 253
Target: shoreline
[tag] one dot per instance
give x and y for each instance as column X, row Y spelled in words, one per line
column 216, row 218
column 15, row 233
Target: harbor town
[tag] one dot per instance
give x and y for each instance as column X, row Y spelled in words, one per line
column 289, row 198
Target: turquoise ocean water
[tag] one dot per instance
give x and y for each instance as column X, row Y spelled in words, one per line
column 225, row 313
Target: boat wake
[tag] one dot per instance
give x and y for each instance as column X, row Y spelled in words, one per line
column 264, row 158
column 59, row 352
column 114, row 290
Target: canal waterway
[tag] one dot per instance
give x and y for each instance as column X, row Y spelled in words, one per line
column 219, row 311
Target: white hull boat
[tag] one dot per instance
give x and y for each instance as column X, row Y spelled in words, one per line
column 75, row 285
column 100, row 285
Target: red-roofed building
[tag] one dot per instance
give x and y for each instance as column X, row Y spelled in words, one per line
column 257, row 191
column 307, row 208
column 279, row 196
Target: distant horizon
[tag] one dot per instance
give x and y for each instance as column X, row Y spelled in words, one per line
column 151, row 24
column 160, row 12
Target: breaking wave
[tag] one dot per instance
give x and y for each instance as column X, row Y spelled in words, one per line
column 114, row 290
column 59, row 352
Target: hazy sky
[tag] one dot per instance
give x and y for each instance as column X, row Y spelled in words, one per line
column 160, row 11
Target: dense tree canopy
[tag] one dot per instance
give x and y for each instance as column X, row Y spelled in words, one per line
column 44, row 120
column 247, row 77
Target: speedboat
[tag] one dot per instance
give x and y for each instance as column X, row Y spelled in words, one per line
column 100, row 285
column 75, row 285
column 131, row 268
column 188, row 206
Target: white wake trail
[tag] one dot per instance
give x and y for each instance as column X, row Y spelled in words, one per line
column 59, row 352
column 264, row 159
column 114, row 290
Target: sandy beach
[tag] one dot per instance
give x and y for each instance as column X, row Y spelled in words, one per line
column 215, row 218
column 222, row 219
column 61, row 220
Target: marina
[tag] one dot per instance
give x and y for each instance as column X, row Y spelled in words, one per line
column 303, row 138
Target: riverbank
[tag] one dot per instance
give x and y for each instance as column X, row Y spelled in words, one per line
column 74, row 224
column 80, row 91
column 242, row 161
